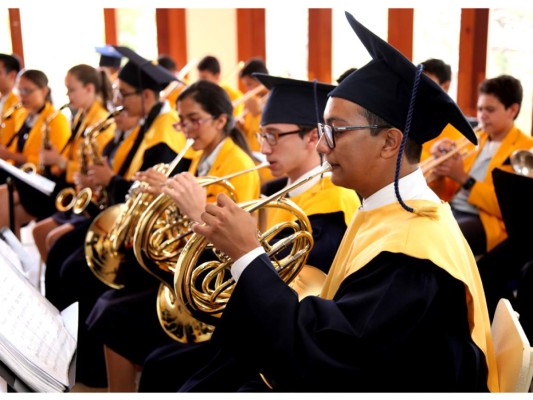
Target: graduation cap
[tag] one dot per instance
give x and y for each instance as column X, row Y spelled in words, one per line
column 109, row 57
column 142, row 73
column 292, row 101
column 385, row 85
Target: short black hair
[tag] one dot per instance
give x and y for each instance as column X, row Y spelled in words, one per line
column 439, row 68
column 11, row 62
column 167, row 62
column 506, row 88
column 255, row 64
column 209, row 63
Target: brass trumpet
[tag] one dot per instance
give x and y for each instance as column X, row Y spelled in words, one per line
column 522, row 162
column 430, row 163
column 111, row 233
column 203, row 289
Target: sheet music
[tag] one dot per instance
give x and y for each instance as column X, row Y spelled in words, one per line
column 34, row 342
column 37, row 181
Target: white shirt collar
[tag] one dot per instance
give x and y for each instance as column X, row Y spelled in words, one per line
column 412, row 187
column 206, row 163
column 307, row 185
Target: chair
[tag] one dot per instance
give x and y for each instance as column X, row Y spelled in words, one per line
column 514, row 355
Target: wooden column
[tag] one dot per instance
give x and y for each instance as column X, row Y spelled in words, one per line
column 110, row 26
column 320, row 39
column 400, row 30
column 172, row 34
column 251, row 40
column 16, row 34
column 472, row 57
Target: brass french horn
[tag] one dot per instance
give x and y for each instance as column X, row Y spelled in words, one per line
column 161, row 234
column 203, row 288
column 111, row 233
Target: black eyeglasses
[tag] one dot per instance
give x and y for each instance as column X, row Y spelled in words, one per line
column 329, row 131
column 272, row 137
column 120, row 95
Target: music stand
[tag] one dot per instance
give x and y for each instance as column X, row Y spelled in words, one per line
column 515, row 197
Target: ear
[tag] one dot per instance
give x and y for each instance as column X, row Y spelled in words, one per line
column 221, row 121
column 312, row 138
column 392, row 142
column 514, row 108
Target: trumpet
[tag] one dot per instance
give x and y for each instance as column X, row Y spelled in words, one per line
column 522, row 162
column 110, row 234
column 202, row 290
column 429, row 164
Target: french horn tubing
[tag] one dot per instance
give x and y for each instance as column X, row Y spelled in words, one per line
column 203, row 288
column 111, row 232
column 160, row 236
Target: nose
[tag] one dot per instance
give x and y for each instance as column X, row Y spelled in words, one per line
column 265, row 147
column 322, row 147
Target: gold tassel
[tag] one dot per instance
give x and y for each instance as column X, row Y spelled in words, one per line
column 430, row 211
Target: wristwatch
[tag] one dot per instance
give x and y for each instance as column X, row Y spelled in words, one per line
column 469, row 183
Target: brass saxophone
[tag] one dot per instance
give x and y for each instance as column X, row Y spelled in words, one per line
column 45, row 142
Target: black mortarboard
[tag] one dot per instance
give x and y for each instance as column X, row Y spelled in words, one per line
column 109, row 57
column 142, row 73
column 292, row 101
column 384, row 86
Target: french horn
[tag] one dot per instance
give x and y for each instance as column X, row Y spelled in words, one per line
column 203, row 288
column 160, row 236
column 111, row 233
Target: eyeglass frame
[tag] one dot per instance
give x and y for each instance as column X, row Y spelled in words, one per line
column 330, row 136
column 26, row 91
column 195, row 123
column 122, row 96
column 276, row 135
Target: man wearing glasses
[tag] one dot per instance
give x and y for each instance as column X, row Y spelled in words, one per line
column 402, row 308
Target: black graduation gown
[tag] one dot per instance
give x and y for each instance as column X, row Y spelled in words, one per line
column 398, row 324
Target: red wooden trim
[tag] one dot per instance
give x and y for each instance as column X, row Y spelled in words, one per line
column 172, row 34
column 320, row 38
column 472, row 57
column 110, row 26
column 251, row 37
column 16, row 34
column 400, row 30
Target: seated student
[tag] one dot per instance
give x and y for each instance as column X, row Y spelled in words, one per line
column 250, row 119
column 10, row 105
column 25, row 146
column 288, row 138
column 475, row 205
column 155, row 141
column 89, row 91
column 403, row 292
column 209, row 69
column 110, row 61
column 206, row 115
column 444, row 187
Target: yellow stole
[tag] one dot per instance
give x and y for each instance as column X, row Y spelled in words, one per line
column 391, row 228
column 322, row 198
column 231, row 158
column 122, row 152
